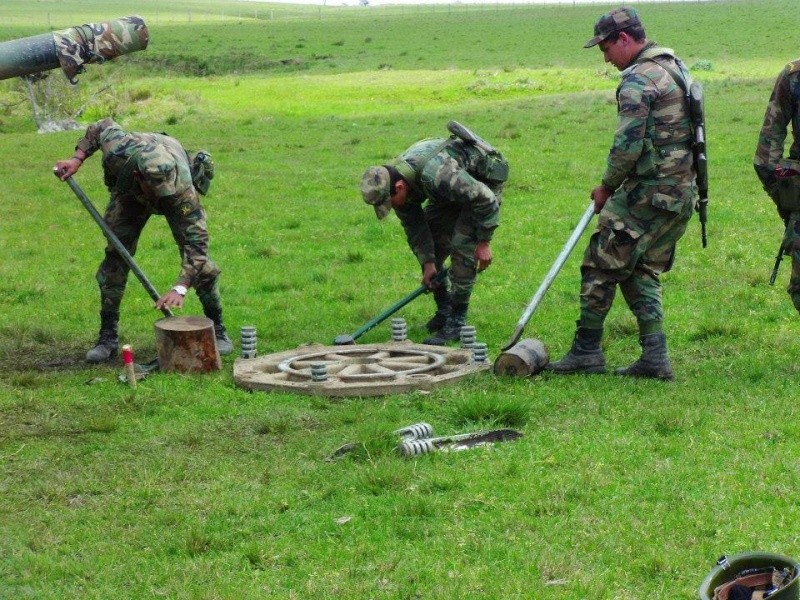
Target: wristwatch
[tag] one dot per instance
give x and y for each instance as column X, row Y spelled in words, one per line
column 180, row 289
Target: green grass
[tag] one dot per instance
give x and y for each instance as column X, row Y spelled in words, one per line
column 188, row 487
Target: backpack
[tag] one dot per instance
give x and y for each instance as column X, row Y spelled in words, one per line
column 202, row 168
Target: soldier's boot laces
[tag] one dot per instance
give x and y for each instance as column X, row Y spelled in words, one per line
column 653, row 362
column 451, row 331
column 224, row 343
column 585, row 355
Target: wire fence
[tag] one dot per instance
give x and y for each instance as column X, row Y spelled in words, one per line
column 272, row 12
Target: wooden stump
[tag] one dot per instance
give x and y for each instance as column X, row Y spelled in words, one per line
column 187, row 345
column 524, row 359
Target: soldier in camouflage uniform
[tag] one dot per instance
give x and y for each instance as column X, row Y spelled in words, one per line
column 644, row 202
column 781, row 176
column 459, row 219
column 147, row 173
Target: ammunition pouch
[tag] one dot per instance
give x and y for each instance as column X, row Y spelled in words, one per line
column 786, row 191
column 202, row 168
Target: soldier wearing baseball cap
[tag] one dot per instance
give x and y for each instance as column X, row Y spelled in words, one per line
column 618, row 19
column 375, row 187
column 645, row 198
column 460, row 185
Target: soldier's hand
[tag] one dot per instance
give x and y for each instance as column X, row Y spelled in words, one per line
column 428, row 273
column 171, row 299
column 64, row 169
column 483, row 254
column 600, row 195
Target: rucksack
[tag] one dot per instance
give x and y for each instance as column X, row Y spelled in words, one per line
column 202, row 167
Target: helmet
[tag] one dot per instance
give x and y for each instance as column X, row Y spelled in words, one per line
column 730, row 569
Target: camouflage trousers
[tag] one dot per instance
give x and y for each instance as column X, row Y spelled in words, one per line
column 126, row 217
column 633, row 244
column 453, row 233
column 791, row 242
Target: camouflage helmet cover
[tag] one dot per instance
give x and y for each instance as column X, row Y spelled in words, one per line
column 729, row 568
column 611, row 22
column 375, row 186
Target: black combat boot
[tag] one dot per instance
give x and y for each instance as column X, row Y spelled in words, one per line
column 442, row 298
column 224, row 343
column 451, row 332
column 108, row 340
column 653, row 362
column 585, row 356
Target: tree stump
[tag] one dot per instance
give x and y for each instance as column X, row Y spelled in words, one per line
column 524, row 359
column 187, row 345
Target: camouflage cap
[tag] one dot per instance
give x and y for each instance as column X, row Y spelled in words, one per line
column 375, row 190
column 611, row 22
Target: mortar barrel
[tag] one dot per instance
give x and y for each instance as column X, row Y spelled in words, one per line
column 72, row 48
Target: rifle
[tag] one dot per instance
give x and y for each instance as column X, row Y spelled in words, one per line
column 777, row 266
column 697, row 113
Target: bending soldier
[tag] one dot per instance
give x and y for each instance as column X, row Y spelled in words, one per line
column 462, row 182
column 781, row 176
column 644, row 202
column 148, row 173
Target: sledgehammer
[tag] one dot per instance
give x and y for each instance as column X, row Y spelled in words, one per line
column 533, row 349
column 114, row 240
column 345, row 339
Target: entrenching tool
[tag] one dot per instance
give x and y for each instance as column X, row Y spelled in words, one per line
column 114, row 240
column 545, row 285
column 345, row 339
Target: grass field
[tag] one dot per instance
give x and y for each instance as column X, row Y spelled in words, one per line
column 188, row 487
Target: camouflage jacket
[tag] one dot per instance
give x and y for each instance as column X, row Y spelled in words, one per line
column 164, row 184
column 652, row 141
column 444, row 178
column 782, row 109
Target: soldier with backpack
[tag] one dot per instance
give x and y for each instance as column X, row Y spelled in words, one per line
column 447, row 194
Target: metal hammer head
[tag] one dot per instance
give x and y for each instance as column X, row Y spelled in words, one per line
column 344, row 339
column 524, row 359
